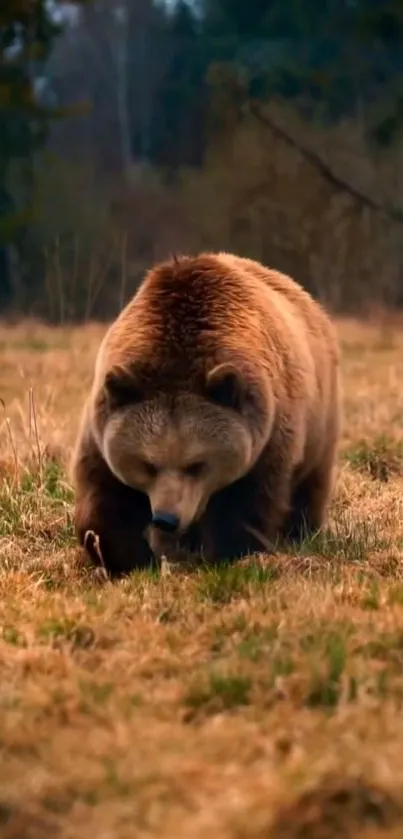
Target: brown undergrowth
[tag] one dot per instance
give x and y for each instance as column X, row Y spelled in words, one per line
column 260, row 701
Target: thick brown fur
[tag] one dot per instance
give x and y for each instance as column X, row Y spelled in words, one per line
column 189, row 315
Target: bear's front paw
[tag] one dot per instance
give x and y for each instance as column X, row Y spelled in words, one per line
column 92, row 546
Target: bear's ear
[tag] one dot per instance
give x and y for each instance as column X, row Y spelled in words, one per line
column 226, row 386
column 122, row 387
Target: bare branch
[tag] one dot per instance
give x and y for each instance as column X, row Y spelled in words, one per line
column 394, row 213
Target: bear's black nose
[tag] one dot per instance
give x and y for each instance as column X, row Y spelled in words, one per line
column 167, row 522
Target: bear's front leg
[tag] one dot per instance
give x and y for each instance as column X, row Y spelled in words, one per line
column 248, row 516
column 234, row 528
column 113, row 512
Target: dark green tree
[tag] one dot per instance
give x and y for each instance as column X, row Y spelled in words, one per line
column 180, row 102
column 27, row 32
column 322, row 55
column 328, row 58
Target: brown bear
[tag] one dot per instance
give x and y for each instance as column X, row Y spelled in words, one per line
column 213, row 420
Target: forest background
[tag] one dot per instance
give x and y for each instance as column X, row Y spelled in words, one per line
column 130, row 129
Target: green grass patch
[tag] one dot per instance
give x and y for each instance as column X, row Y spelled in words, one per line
column 223, row 584
column 39, row 504
column 219, row 692
column 381, row 457
column 348, row 540
column 55, row 631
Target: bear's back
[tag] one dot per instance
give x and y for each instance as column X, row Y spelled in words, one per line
column 188, row 309
column 290, row 295
column 300, row 338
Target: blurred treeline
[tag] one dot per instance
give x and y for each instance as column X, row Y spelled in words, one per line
column 131, row 129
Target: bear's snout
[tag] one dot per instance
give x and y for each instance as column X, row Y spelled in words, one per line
column 166, row 522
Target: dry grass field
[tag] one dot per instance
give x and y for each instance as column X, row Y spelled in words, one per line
column 261, row 701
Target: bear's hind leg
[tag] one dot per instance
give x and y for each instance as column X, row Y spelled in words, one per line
column 309, row 502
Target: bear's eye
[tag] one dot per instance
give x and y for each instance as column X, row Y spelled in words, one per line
column 194, row 469
column 151, row 470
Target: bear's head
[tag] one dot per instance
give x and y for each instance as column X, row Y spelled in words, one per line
column 180, row 446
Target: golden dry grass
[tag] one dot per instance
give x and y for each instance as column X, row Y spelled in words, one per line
column 261, row 701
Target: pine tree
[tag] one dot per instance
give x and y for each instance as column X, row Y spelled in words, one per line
column 27, row 33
